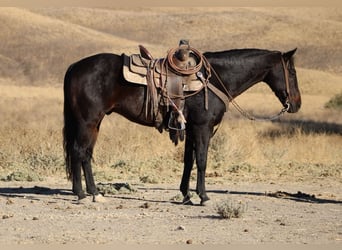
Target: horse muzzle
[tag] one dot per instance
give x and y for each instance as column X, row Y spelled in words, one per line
column 293, row 105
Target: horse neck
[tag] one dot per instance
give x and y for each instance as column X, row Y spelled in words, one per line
column 242, row 71
column 243, row 84
column 237, row 82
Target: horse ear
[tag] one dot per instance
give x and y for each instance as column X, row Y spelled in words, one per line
column 289, row 54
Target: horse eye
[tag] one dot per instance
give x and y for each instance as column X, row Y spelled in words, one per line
column 292, row 71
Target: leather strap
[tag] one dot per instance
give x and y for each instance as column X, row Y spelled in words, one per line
column 220, row 94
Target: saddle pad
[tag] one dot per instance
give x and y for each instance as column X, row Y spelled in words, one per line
column 134, row 71
column 193, row 85
column 133, row 76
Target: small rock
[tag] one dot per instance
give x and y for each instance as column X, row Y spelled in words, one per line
column 189, row 241
column 99, row 198
column 35, row 218
column 145, row 205
column 182, row 228
column 9, row 201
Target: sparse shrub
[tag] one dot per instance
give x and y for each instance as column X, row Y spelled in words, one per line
column 229, row 209
column 148, row 179
column 115, row 188
column 119, row 164
column 21, row 176
column 237, row 168
column 103, row 175
column 335, row 102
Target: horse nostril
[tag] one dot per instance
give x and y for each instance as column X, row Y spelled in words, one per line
column 287, row 106
column 293, row 107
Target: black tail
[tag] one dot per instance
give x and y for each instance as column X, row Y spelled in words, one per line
column 70, row 126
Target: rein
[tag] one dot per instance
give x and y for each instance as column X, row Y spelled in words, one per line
column 225, row 96
column 248, row 115
column 206, row 84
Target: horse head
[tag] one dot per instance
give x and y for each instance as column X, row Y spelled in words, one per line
column 283, row 81
column 294, row 97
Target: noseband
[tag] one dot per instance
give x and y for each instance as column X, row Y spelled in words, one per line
column 287, row 83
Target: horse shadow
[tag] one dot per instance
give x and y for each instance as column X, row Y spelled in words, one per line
column 297, row 197
column 34, row 192
column 291, row 127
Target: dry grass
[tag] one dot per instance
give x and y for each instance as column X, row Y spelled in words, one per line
column 300, row 150
column 39, row 44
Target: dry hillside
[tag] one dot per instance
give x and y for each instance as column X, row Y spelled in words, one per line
column 38, row 44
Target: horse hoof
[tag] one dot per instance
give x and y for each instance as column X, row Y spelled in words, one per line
column 99, row 198
column 81, row 196
column 187, row 202
column 83, row 201
column 206, row 203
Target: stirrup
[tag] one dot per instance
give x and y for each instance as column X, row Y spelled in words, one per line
column 175, row 125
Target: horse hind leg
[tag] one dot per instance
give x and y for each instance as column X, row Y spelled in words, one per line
column 89, row 143
column 92, row 132
column 77, row 176
column 81, row 160
column 88, row 175
column 72, row 153
column 90, row 183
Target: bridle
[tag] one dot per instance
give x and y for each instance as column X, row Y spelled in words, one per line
column 287, row 82
column 248, row 115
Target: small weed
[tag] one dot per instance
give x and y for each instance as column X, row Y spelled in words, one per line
column 237, row 168
column 119, row 164
column 148, row 179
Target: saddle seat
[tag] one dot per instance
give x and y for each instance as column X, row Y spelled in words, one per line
column 136, row 67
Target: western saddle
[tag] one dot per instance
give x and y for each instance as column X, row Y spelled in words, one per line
column 169, row 81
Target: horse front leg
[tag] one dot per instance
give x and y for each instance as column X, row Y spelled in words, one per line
column 188, row 164
column 202, row 145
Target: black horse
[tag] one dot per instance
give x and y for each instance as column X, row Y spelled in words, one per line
column 95, row 87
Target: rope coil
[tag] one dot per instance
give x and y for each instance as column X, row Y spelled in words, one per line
column 185, row 70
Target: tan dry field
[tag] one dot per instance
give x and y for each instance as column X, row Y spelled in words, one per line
column 288, row 172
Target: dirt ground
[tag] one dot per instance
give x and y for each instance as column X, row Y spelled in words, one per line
column 46, row 212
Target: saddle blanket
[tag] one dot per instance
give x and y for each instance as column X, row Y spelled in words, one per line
column 135, row 71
